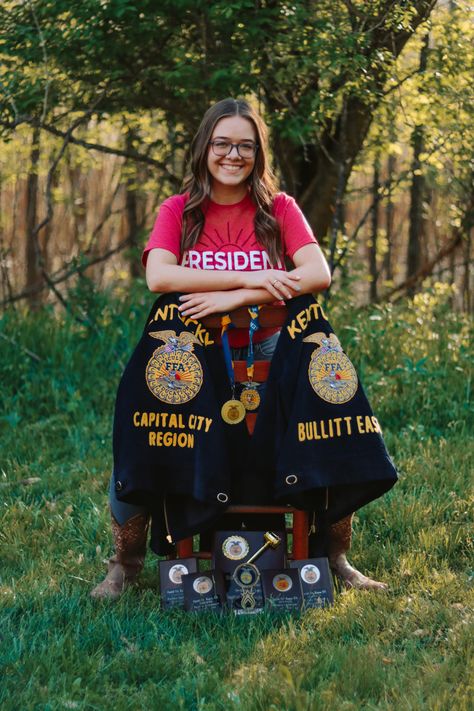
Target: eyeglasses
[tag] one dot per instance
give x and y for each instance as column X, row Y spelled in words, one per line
column 246, row 149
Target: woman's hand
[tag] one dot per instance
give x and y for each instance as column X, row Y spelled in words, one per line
column 204, row 303
column 280, row 284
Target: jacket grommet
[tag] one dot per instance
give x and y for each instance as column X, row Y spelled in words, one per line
column 118, row 486
column 222, row 497
column 291, row 479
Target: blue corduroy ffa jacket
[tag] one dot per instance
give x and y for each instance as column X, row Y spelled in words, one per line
column 317, row 443
column 172, row 449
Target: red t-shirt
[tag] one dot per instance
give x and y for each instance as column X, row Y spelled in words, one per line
column 228, row 242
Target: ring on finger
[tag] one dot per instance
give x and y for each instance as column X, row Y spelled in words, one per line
column 277, row 281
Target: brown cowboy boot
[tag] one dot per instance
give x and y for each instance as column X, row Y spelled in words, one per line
column 339, row 542
column 126, row 564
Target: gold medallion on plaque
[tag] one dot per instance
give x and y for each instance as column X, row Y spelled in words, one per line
column 235, row 547
column 173, row 373
column 233, row 412
column 250, row 397
column 331, row 373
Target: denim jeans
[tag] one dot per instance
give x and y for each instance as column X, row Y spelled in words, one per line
column 261, row 351
column 123, row 511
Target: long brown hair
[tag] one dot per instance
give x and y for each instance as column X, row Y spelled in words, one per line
column 261, row 182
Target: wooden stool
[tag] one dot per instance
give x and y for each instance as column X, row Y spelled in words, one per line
column 269, row 317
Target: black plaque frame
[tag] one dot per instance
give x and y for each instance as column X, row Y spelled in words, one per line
column 316, row 581
column 172, row 593
column 204, row 591
column 286, row 597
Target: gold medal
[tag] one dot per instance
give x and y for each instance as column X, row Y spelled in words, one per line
column 235, row 547
column 250, row 398
column 233, row 412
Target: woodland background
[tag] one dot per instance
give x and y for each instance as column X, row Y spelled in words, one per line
column 370, row 107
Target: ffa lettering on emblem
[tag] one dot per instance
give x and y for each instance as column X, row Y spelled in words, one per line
column 173, row 373
column 331, row 373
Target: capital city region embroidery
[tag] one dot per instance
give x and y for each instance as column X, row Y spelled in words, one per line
column 173, row 373
column 331, row 373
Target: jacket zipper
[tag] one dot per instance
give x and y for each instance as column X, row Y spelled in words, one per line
column 169, row 537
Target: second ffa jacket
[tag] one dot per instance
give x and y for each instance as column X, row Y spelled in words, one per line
column 317, row 444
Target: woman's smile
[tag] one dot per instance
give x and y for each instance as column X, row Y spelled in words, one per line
column 231, row 167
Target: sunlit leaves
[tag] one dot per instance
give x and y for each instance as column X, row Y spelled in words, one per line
column 162, row 54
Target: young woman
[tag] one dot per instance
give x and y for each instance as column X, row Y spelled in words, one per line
column 223, row 242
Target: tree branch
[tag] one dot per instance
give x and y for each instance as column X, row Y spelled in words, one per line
column 427, row 269
column 35, row 356
column 73, row 270
column 133, row 155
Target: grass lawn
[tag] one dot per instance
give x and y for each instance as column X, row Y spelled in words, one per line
column 410, row 648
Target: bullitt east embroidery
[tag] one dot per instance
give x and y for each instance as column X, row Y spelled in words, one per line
column 173, row 373
column 331, row 373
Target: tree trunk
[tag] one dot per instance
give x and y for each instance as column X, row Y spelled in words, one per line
column 32, row 256
column 466, row 288
column 317, row 175
column 416, row 205
column 311, row 172
column 417, row 192
column 131, row 211
column 375, row 228
column 5, row 257
column 389, row 218
column 452, row 275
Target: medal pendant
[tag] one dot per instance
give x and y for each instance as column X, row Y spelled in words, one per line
column 249, row 397
column 233, row 412
column 247, row 576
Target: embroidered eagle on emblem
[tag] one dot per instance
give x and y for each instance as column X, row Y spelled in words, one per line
column 330, row 342
column 183, row 342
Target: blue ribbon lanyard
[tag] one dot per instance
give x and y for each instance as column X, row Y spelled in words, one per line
column 226, row 323
column 253, row 328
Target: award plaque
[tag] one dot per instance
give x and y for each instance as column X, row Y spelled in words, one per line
column 282, row 589
column 234, row 553
column 316, row 581
column 231, row 548
column 204, row 591
column 245, row 594
column 171, row 584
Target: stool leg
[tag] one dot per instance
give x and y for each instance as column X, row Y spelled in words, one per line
column 184, row 548
column 300, row 535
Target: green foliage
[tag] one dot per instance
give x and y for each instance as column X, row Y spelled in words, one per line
column 408, row 649
column 414, row 358
column 440, row 99
column 317, row 70
column 180, row 55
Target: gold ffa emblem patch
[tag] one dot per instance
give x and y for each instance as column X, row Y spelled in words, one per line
column 173, row 373
column 331, row 373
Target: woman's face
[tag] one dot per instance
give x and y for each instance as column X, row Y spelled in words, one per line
column 231, row 170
